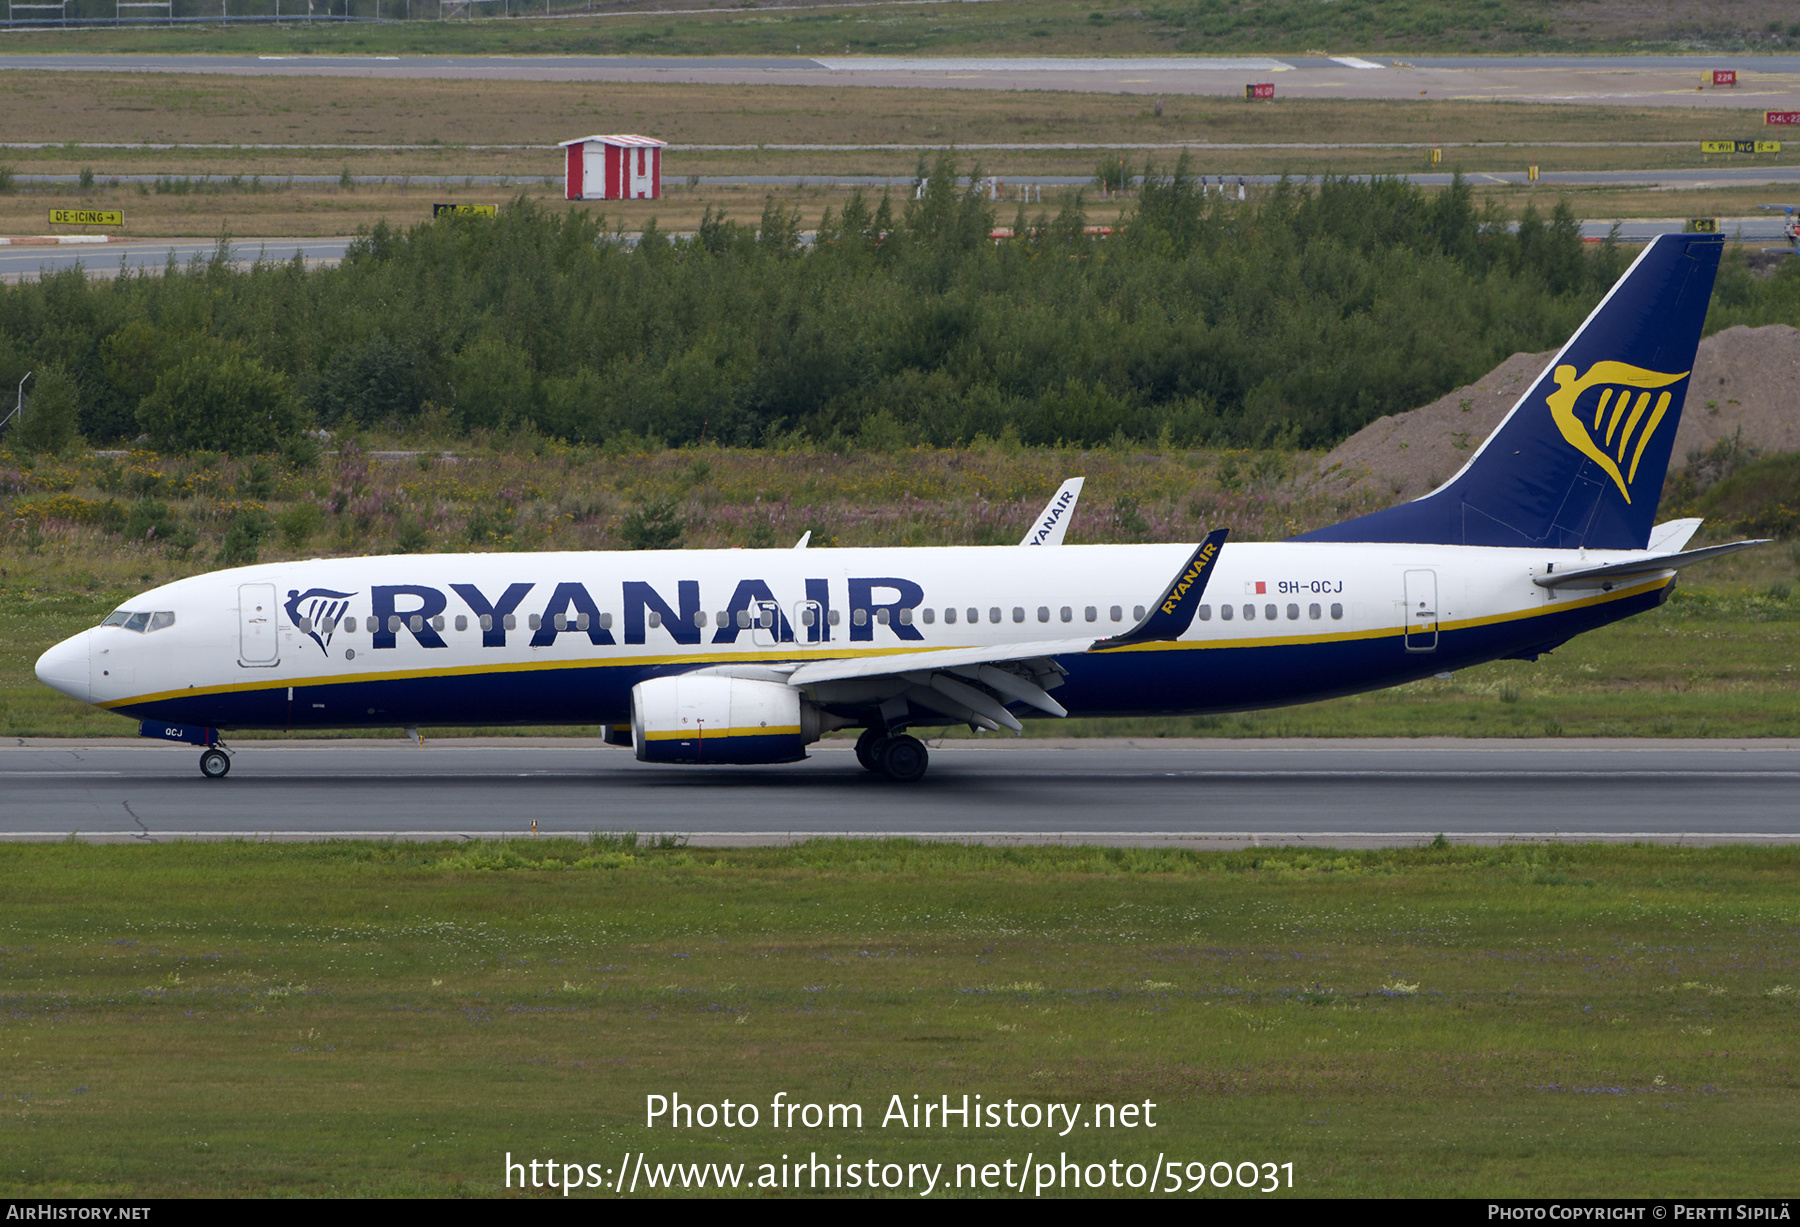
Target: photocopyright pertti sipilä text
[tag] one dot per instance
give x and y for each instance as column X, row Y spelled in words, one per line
column 1133, row 1157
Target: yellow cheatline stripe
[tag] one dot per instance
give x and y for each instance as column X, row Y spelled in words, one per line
column 1389, row 632
column 709, row 734
column 1386, row 632
column 525, row 666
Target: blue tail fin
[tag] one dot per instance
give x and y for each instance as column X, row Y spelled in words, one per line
column 1580, row 460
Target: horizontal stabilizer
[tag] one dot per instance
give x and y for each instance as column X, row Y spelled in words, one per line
column 1173, row 613
column 1623, row 572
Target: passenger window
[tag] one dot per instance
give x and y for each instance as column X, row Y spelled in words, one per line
column 974, row 615
column 1337, row 611
column 1118, row 614
column 417, row 623
column 930, row 615
column 437, row 623
column 1043, row 613
column 699, row 617
column 950, row 615
column 581, row 622
column 393, row 624
column 743, row 620
column 117, row 617
column 137, row 622
column 1249, row 613
column 487, row 622
column 881, row 616
column 655, row 620
column 349, row 624
column 833, row 617
column 993, row 613
column 859, row 617
column 1091, row 614
column 535, row 621
column 1312, row 611
column 462, row 622
column 1205, row 612
column 1271, row 612
column 1018, row 613
column 1068, row 615
column 906, row 617
column 807, row 617
column 560, row 622
column 1137, row 613
column 1293, row 613
column 301, row 624
column 512, row 622
column 328, row 626
column 1225, row 613
column 605, row 622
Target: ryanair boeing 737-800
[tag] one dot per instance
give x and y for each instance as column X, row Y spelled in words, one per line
column 747, row 656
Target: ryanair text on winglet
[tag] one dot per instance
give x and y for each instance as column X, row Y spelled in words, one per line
column 87, row 217
column 1189, row 577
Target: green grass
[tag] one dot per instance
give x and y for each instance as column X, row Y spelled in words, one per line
column 1012, row 27
column 343, row 1019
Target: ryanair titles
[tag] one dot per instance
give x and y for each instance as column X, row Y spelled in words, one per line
column 396, row 612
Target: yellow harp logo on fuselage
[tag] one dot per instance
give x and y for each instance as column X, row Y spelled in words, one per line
column 1620, row 420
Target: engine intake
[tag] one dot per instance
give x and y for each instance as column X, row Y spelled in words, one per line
column 705, row 718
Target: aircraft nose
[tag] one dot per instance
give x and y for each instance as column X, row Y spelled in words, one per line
column 65, row 668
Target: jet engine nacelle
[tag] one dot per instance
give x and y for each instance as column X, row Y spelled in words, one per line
column 705, row 718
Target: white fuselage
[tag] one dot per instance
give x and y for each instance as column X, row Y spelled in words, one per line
column 332, row 642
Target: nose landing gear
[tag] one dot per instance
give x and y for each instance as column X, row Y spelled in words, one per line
column 215, row 764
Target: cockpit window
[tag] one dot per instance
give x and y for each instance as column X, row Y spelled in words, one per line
column 140, row 622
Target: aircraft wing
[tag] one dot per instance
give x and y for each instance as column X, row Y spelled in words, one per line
column 946, row 658
column 1623, row 572
column 975, row 684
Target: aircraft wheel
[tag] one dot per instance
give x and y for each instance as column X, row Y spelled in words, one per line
column 868, row 748
column 215, row 764
column 904, row 759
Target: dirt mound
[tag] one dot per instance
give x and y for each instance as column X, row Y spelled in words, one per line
column 1746, row 384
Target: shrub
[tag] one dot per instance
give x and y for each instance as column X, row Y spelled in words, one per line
column 654, row 526
column 51, row 419
column 220, row 397
column 243, row 540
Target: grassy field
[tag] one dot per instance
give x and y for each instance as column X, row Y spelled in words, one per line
column 246, row 191
column 1003, row 27
column 351, row 1019
column 1719, row 660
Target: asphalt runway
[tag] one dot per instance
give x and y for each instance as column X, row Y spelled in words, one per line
column 109, row 259
column 1771, row 82
column 1208, row 794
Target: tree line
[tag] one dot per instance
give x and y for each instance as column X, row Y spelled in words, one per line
column 1290, row 320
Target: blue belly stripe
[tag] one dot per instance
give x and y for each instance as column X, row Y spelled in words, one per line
column 1191, row 679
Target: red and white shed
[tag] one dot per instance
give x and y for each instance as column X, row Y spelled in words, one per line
column 614, row 168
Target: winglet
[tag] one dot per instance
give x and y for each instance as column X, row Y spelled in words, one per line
column 1053, row 520
column 1170, row 617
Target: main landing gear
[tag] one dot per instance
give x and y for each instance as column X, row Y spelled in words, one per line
column 901, row 758
column 215, row 764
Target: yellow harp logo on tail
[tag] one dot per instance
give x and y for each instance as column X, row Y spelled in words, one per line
column 1619, row 421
